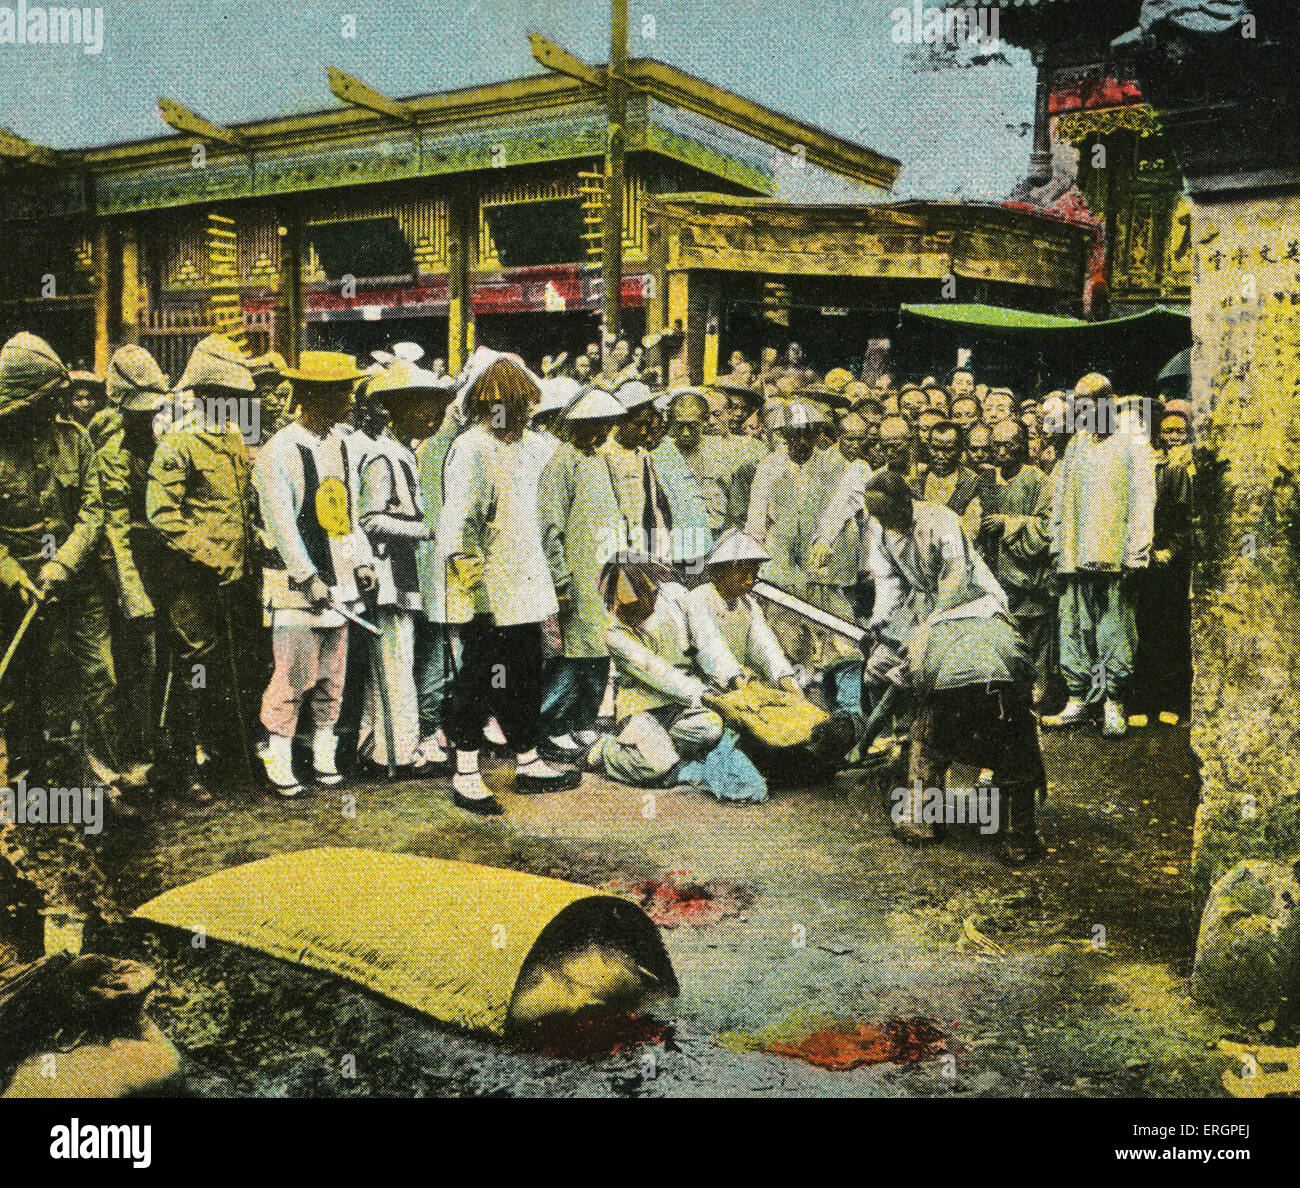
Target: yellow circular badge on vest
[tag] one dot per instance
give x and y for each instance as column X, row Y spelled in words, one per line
column 332, row 507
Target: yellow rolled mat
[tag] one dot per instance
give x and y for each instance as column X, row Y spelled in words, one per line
column 777, row 718
column 449, row 939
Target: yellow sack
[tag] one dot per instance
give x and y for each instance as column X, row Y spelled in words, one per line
column 476, row 946
column 773, row 716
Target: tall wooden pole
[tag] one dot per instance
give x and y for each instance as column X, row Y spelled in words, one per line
column 289, row 312
column 102, row 301
column 612, row 253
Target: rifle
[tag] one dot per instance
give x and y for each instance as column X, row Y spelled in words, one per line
column 18, row 637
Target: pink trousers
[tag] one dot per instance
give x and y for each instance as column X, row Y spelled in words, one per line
column 309, row 662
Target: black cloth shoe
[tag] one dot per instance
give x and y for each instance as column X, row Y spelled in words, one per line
column 553, row 754
column 562, row 781
column 484, row 806
column 832, row 740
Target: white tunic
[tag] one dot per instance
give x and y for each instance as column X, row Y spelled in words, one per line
column 489, row 511
column 744, row 629
column 281, row 481
column 392, row 512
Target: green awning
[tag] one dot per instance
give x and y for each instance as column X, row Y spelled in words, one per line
column 1039, row 352
column 994, row 317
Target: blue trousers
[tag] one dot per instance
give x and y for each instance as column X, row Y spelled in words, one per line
column 842, row 686
column 572, row 690
column 1098, row 636
column 437, row 655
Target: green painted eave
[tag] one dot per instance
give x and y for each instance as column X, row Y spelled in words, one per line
column 391, row 154
column 997, row 318
column 520, row 122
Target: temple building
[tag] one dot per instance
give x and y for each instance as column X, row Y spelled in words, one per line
column 467, row 216
column 1100, row 154
column 474, row 216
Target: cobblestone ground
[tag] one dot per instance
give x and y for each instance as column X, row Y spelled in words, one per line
column 1065, row 978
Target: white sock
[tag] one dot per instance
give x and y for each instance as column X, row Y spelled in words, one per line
column 467, row 763
column 526, row 758
column 470, row 785
column 323, row 745
column 564, row 740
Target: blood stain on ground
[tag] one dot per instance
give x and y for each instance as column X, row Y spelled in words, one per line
column 677, row 899
column 854, row 1045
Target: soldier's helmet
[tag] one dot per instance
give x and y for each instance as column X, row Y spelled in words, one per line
column 30, row 370
column 135, row 382
column 217, row 362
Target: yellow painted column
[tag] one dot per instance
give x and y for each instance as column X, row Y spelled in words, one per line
column 711, row 343
column 678, row 306
column 102, row 303
column 129, row 308
column 462, row 252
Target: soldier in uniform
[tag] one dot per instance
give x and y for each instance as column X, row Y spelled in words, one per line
column 391, row 511
column 200, row 499
column 86, row 398
column 124, row 437
column 51, row 516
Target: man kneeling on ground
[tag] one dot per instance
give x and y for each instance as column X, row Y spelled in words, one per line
column 789, row 739
column 669, row 668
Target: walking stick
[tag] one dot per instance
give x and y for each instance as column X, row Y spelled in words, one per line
column 377, row 675
column 18, row 637
column 167, row 695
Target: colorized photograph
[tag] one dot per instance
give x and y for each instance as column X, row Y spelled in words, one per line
column 636, row 549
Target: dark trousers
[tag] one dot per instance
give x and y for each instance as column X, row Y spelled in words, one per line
column 220, row 665
column 1035, row 615
column 135, row 659
column 60, row 677
column 1162, row 669
column 356, row 673
column 500, row 675
column 988, row 726
column 574, row 689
